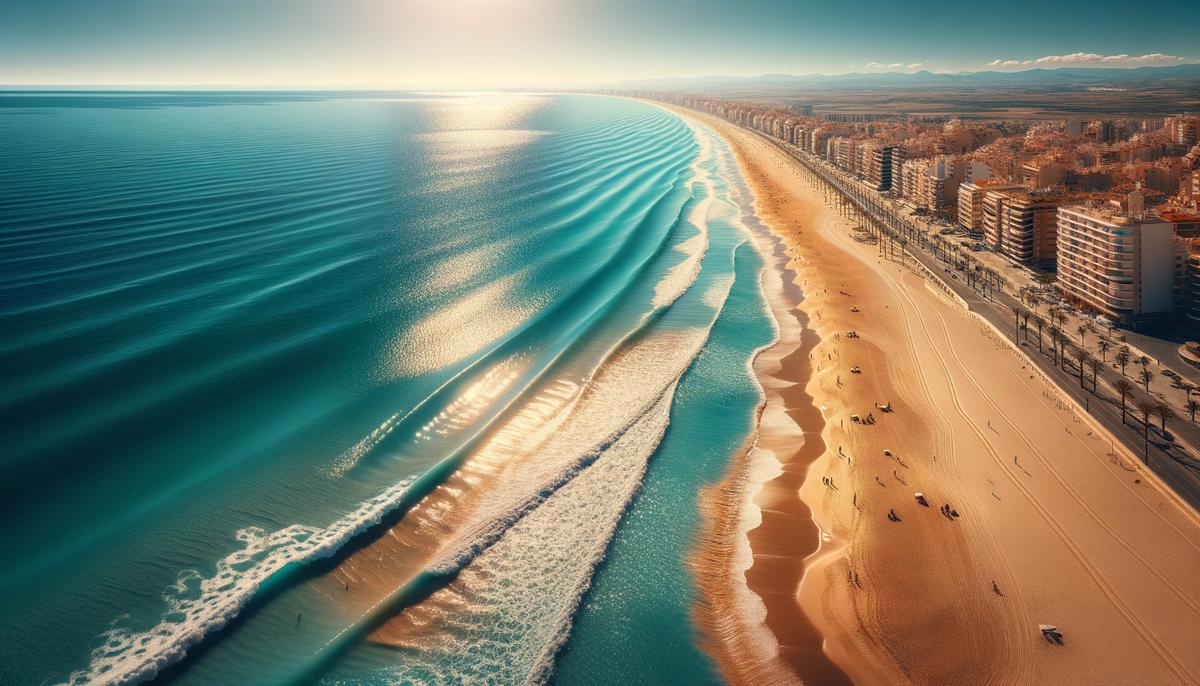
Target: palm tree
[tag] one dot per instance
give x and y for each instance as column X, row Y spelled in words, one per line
column 1064, row 352
column 1016, row 310
column 1083, row 359
column 1193, row 406
column 1122, row 357
column 1145, row 376
column 1165, row 412
column 1125, row 390
column 1025, row 326
column 1144, row 361
column 1146, row 407
column 1082, row 330
column 1055, row 334
column 1095, row 365
column 1104, row 344
column 1039, row 322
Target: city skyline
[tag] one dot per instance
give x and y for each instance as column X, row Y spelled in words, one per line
column 483, row 43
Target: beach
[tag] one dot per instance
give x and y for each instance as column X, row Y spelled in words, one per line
column 1051, row 522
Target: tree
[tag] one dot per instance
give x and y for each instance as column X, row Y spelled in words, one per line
column 1016, row 310
column 1064, row 353
column 1083, row 359
column 1165, row 412
column 1037, row 320
column 1144, row 361
column 1193, row 406
column 1122, row 357
column 1094, row 365
column 1125, row 390
column 1104, row 344
column 1145, row 376
column 1082, row 330
column 1055, row 335
column 1146, row 407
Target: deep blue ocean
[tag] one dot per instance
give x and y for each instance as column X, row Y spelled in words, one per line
column 363, row 388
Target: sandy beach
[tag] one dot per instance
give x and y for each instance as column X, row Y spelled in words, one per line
column 1055, row 525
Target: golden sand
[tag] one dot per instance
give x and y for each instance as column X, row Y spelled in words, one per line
column 1056, row 525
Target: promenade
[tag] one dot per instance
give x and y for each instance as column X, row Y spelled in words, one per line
column 1173, row 455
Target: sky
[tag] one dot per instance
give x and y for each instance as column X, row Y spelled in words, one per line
column 494, row 43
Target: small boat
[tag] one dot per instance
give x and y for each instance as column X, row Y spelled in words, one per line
column 921, row 499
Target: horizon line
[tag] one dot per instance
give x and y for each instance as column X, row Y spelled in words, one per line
column 517, row 86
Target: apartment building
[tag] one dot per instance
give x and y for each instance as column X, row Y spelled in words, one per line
column 1038, row 174
column 933, row 183
column 881, row 161
column 1122, row 264
column 1183, row 131
column 1021, row 224
column 970, row 203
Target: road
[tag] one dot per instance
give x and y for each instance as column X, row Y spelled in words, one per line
column 1172, row 457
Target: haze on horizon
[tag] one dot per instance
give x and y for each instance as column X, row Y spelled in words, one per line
column 495, row 43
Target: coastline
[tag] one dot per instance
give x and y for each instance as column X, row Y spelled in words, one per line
column 919, row 600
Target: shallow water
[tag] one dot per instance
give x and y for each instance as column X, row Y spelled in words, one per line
column 245, row 335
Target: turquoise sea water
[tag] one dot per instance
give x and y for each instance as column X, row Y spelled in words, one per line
column 248, row 340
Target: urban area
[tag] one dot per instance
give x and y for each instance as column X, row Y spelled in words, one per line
column 1078, row 238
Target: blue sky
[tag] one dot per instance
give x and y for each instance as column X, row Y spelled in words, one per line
column 465, row 43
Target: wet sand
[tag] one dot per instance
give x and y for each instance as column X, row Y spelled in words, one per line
column 1056, row 524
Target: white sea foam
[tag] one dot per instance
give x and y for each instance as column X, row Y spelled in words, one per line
column 680, row 278
column 764, row 466
column 524, row 572
column 198, row 605
column 555, row 523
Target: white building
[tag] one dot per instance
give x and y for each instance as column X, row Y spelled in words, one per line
column 1120, row 264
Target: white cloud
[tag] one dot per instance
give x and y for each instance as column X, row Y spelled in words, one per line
column 894, row 65
column 1089, row 58
column 1158, row 57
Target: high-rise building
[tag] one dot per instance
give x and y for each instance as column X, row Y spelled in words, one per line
column 1183, row 131
column 881, row 161
column 1118, row 263
column 970, row 203
column 1021, row 224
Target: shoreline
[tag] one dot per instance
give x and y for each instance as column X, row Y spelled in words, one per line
column 973, row 426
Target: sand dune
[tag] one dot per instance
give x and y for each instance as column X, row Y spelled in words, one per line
column 1070, row 529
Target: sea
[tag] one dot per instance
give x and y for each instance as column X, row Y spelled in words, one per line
column 364, row 387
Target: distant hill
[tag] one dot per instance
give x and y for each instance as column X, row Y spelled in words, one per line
column 1078, row 77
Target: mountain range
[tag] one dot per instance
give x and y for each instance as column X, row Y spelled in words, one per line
column 1079, row 77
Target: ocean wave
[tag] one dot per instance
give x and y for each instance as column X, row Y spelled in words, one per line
column 198, row 605
column 681, row 277
column 588, row 300
column 524, row 575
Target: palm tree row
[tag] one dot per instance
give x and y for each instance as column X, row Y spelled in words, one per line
column 1064, row 354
